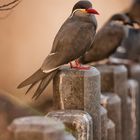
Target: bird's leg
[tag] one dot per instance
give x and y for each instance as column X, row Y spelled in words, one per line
column 80, row 67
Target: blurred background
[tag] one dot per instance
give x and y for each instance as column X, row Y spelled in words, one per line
column 27, row 33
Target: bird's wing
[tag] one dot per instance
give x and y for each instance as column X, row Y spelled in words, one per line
column 131, row 46
column 106, row 41
column 72, row 41
column 133, row 41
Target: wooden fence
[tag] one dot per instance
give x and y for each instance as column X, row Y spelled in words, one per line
column 97, row 104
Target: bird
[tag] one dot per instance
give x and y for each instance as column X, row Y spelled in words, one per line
column 73, row 39
column 134, row 11
column 130, row 47
column 107, row 39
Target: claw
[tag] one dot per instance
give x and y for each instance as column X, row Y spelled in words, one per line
column 79, row 66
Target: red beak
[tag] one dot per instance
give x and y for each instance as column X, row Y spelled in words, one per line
column 92, row 11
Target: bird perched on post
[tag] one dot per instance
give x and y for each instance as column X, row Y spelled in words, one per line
column 134, row 11
column 130, row 47
column 107, row 39
column 72, row 40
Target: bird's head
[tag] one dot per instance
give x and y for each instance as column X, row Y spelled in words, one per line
column 84, row 6
column 123, row 18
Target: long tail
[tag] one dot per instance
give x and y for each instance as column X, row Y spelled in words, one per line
column 37, row 76
column 43, row 84
column 45, row 79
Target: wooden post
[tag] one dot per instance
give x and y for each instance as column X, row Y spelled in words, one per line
column 110, row 130
column 79, row 89
column 134, row 95
column 112, row 103
column 130, row 122
column 39, row 128
column 104, row 121
column 78, row 122
column 114, row 80
column 134, row 73
column 4, row 135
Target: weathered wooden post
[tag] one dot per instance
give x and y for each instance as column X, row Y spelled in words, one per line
column 134, row 95
column 134, row 73
column 104, row 121
column 10, row 109
column 110, row 130
column 114, row 80
column 130, row 122
column 79, row 89
column 79, row 122
column 39, row 128
column 112, row 103
column 3, row 124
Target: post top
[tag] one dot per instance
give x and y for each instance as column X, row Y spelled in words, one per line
column 72, row 114
column 110, row 124
column 109, row 98
column 135, row 67
column 111, row 68
column 103, row 111
column 37, row 123
column 67, row 70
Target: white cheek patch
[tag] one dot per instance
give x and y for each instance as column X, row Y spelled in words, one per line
column 77, row 10
column 74, row 12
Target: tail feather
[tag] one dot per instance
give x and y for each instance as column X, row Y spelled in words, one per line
column 37, row 76
column 45, row 81
column 32, row 85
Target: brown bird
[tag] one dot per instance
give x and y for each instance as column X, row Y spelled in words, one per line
column 134, row 11
column 129, row 51
column 107, row 39
column 72, row 40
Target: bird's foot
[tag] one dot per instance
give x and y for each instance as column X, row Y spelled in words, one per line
column 79, row 66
